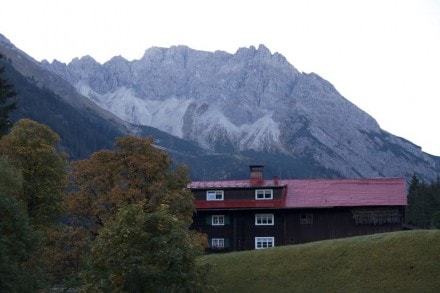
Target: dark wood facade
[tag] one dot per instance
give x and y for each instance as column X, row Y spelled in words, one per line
column 293, row 226
column 255, row 213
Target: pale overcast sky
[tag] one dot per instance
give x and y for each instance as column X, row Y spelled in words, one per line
column 382, row 55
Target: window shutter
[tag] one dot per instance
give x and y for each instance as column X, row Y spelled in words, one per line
column 226, row 242
column 209, row 220
column 227, row 219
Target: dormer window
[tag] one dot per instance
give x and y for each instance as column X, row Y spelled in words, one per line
column 214, row 195
column 262, row 194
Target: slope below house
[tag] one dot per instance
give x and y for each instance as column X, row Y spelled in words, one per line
column 390, row 262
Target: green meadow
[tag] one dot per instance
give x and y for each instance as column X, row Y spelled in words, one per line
column 407, row 261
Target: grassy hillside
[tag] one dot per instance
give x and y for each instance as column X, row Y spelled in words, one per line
column 407, row 261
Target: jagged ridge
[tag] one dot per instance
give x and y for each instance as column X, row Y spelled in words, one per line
column 250, row 100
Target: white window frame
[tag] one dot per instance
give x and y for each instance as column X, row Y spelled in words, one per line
column 218, row 220
column 262, row 194
column 214, row 195
column 264, row 219
column 218, row 243
column 264, row 242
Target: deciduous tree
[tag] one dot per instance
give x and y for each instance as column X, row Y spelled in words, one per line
column 140, row 251
column 33, row 149
column 139, row 209
column 135, row 171
column 11, row 181
column 20, row 266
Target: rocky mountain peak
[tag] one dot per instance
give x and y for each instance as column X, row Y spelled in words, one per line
column 85, row 62
column 261, row 51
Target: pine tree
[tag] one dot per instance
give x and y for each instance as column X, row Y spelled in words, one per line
column 7, row 103
column 423, row 203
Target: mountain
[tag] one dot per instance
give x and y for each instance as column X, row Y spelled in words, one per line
column 253, row 104
column 84, row 127
column 214, row 111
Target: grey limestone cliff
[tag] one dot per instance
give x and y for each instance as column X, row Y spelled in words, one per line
column 251, row 100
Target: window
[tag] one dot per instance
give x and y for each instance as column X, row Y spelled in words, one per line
column 214, row 195
column 263, row 194
column 218, row 220
column 306, row 219
column 377, row 216
column 218, row 243
column 263, row 219
column 264, row 242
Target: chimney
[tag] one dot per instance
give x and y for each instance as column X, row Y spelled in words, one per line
column 275, row 180
column 256, row 175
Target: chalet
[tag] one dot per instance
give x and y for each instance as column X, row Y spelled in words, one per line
column 257, row 213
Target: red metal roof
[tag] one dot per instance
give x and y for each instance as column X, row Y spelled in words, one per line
column 310, row 193
column 345, row 192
